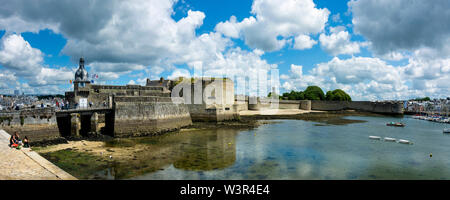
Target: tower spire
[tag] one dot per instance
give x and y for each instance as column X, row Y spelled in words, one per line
column 82, row 62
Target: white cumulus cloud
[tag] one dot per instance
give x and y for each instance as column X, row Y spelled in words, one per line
column 304, row 42
column 338, row 42
column 276, row 23
column 21, row 60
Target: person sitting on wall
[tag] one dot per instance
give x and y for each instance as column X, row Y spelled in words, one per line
column 18, row 140
column 12, row 141
column 26, row 142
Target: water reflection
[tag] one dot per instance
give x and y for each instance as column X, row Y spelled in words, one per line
column 291, row 149
column 300, row 150
column 199, row 150
column 209, row 150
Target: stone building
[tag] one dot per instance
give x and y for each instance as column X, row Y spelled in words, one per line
column 166, row 84
column 208, row 99
column 130, row 110
column 101, row 95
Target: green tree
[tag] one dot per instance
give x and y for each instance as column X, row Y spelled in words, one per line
column 329, row 96
column 314, row 93
column 337, row 95
column 293, row 95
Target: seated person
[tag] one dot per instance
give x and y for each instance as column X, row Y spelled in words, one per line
column 17, row 139
column 13, row 142
column 26, row 142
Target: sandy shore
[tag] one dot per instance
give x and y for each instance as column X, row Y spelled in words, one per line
column 276, row 112
column 96, row 148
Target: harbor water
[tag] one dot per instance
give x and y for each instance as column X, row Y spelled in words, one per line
column 294, row 149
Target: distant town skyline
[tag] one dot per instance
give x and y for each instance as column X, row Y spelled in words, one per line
column 372, row 50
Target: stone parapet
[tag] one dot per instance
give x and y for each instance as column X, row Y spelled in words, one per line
column 367, row 106
column 139, row 116
column 38, row 124
column 268, row 103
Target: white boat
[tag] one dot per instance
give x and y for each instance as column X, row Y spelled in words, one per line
column 375, row 137
column 388, row 139
column 404, row 142
column 447, row 130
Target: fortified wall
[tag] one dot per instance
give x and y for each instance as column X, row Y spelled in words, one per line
column 367, row 106
column 37, row 124
column 140, row 116
column 208, row 99
column 253, row 103
column 241, row 103
column 268, row 103
column 101, row 95
column 130, row 110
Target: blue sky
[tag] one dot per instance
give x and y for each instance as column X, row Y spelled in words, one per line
column 369, row 49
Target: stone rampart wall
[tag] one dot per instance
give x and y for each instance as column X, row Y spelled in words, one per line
column 126, row 87
column 139, row 116
column 241, row 105
column 35, row 116
column 262, row 104
column 37, row 124
column 368, row 106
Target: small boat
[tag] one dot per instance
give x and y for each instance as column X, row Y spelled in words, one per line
column 447, row 130
column 397, row 124
column 404, row 142
column 388, row 139
column 375, row 137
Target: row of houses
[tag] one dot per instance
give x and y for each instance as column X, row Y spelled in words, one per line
column 435, row 106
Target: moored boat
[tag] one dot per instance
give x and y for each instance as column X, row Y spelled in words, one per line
column 375, row 137
column 388, row 139
column 416, row 117
column 397, row 124
column 447, row 130
column 404, row 142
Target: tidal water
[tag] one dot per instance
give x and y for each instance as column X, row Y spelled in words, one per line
column 296, row 149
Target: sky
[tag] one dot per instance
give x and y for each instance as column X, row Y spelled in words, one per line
column 374, row 50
